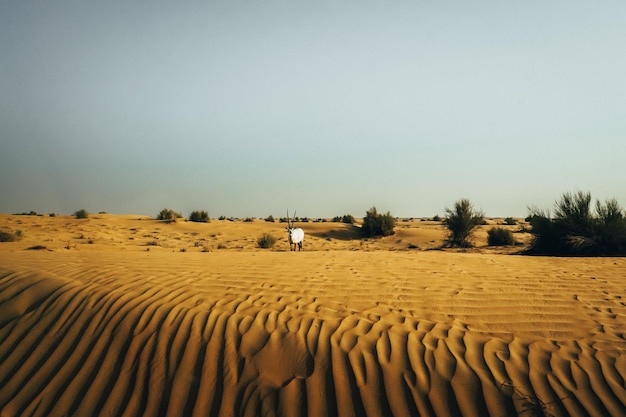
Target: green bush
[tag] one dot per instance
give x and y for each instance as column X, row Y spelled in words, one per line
column 346, row 218
column 376, row 224
column 81, row 214
column 266, row 241
column 270, row 219
column 577, row 230
column 499, row 236
column 461, row 222
column 199, row 216
column 168, row 215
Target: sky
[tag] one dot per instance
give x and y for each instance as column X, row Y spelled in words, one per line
column 248, row 108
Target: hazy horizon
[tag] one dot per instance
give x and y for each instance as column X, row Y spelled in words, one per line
column 246, row 109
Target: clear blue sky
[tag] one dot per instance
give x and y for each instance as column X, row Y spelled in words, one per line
column 248, row 108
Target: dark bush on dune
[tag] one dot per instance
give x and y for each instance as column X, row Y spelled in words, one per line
column 199, row 216
column 346, row 218
column 266, row 241
column 577, row 230
column 461, row 222
column 376, row 224
column 168, row 215
column 499, row 236
column 81, row 214
column 9, row 237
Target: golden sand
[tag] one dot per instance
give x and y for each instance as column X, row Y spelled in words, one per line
column 127, row 316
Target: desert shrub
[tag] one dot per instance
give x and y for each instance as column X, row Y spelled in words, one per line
column 270, row 219
column 461, row 222
column 168, row 215
column 9, row 237
column 510, row 221
column 436, row 218
column 577, row 230
column 499, row 236
column 199, row 216
column 222, row 217
column 376, row 224
column 346, row 218
column 81, row 214
column 266, row 241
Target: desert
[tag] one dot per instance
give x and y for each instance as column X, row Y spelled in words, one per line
column 124, row 315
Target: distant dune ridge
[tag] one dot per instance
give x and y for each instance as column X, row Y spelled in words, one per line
column 347, row 327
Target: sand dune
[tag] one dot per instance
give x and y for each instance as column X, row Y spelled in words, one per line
column 112, row 329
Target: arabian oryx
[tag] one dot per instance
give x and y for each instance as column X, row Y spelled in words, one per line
column 296, row 235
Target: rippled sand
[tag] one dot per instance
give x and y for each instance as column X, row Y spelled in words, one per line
column 348, row 327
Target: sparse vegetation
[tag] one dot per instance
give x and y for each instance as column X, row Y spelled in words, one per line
column 81, row 214
column 270, row 219
column 30, row 213
column 577, row 230
column 499, row 236
column 10, row 237
column 199, row 216
column 168, row 215
column 461, row 222
column 436, row 218
column 346, row 218
column 375, row 224
column 266, row 241
column 510, row 221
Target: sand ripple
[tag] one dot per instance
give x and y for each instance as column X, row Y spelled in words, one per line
column 151, row 337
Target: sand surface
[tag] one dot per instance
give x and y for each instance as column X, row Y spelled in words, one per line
column 126, row 316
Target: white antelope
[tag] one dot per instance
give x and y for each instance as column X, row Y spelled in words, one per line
column 296, row 235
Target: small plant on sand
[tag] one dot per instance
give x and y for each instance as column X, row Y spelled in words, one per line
column 577, row 230
column 346, row 218
column 376, row 224
column 199, row 216
column 81, row 214
column 461, row 222
column 270, row 219
column 510, row 221
column 168, row 215
column 10, row 237
column 499, row 236
column 266, row 241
